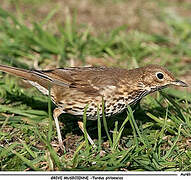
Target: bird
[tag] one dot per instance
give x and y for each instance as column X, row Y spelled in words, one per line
column 73, row 88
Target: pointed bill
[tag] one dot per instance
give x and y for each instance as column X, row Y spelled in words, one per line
column 180, row 83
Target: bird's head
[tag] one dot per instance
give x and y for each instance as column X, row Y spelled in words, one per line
column 155, row 77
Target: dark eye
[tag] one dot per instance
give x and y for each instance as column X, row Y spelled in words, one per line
column 160, row 75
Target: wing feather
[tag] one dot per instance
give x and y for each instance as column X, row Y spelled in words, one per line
column 88, row 80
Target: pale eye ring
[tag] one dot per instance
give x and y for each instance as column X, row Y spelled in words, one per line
column 160, row 75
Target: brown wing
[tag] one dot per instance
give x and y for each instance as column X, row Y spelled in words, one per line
column 86, row 79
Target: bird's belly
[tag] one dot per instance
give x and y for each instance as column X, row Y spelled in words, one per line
column 110, row 108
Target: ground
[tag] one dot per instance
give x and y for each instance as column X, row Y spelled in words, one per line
column 124, row 33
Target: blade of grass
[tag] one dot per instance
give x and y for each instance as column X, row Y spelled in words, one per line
column 125, row 155
column 5, row 122
column 160, row 135
column 99, row 129
column 134, row 131
column 75, row 157
column 105, row 123
column 51, row 150
column 169, row 129
column 50, row 162
column 50, row 15
column 28, row 149
column 135, row 125
column 7, row 150
column 50, row 117
column 25, row 160
column 115, row 136
column 116, row 140
column 172, row 147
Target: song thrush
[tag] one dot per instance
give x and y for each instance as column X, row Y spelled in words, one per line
column 71, row 89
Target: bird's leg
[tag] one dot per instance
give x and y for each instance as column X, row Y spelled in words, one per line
column 81, row 126
column 56, row 114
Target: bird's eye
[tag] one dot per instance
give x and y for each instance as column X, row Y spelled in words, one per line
column 160, row 75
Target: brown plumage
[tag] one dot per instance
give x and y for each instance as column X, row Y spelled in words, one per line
column 73, row 88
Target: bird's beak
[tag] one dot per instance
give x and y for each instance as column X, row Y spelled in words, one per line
column 179, row 83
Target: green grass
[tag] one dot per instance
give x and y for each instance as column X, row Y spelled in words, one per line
column 154, row 136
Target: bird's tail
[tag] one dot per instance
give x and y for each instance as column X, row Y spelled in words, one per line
column 35, row 78
column 43, row 78
column 25, row 74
